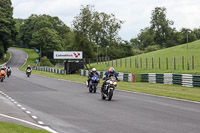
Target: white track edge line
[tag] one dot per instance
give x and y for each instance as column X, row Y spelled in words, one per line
column 30, row 123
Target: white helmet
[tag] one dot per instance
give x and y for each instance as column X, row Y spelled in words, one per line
column 93, row 69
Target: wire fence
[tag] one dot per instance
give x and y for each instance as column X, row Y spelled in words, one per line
column 162, row 63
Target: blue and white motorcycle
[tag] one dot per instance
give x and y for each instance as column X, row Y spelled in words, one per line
column 93, row 83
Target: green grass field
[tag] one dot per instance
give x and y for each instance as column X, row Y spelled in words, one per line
column 14, row 128
column 145, row 61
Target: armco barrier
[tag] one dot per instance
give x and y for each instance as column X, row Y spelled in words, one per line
column 186, row 80
column 121, row 76
column 52, row 70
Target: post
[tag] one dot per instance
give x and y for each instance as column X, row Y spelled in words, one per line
column 116, row 62
column 183, row 62
column 130, row 62
column 167, row 63
column 125, row 62
column 159, row 62
column 152, row 63
column 146, row 63
column 97, row 53
column 120, row 62
column 107, row 53
column 140, row 62
column 174, row 63
column 40, row 55
column 192, row 62
column 135, row 63
column 187, row 54
column 112, row 62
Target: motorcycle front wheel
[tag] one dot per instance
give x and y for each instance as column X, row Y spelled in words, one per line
column 90, row 88
column 95, row 89
column 102, row 95
column 110, row 94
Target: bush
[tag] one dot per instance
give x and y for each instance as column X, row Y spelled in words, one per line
column 46, row 62
column 151, row 48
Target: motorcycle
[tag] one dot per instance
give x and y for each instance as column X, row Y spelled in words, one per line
column 109, row 87
column 28, row 72
column 2, row 75
column 93, row 83
column 8, row 73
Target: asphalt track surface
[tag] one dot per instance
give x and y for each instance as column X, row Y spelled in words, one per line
column 68, row 107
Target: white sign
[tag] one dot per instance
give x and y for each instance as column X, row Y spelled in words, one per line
column 68, row 55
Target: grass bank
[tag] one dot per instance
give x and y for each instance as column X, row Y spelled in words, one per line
column 168, row 60
column 14, row 128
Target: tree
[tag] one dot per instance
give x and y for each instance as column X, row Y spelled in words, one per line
column 7, row 26
column 47, row 40
column 145, row 38
column 160, row 26
column 95, row 28
column 35, row 23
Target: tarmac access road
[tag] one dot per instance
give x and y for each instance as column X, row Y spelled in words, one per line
column 68, row 107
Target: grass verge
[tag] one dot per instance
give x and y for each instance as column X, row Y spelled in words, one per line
column 6, row 59
column 14, row 128
column 174, row 91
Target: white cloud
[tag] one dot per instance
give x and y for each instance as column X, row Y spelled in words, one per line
column 136, row 14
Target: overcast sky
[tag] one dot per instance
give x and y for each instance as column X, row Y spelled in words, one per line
column 135, row 13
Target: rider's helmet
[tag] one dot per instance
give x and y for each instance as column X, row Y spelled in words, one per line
column 29, row 66
column 94, row 70
column 8, row 67
column 111, row 70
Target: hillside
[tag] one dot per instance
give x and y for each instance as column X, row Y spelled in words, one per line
column 166, row 55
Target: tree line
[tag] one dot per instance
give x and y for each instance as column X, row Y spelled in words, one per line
column 160, row 33
column 92, row 32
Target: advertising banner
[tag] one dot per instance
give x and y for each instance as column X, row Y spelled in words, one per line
column 68, row 55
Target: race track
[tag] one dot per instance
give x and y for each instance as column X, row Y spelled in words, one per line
column 68, row 107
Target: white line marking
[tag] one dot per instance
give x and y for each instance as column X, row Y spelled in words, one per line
column 28, row 112
column 15, row 102
column 41, row 123
column 23, row 108
column 27, row 122
column 34, row 117
column 19, row 105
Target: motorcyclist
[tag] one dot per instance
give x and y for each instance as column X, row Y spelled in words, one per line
column 28, row 67
column 3, row 72
column 94, row 71
column 8, row 70
column 111, row 72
